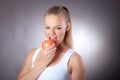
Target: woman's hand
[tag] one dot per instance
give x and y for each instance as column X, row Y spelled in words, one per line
column 46, row 55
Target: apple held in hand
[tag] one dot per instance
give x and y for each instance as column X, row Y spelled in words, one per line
column 47, row 43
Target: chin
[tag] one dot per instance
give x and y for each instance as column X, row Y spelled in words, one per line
column 57, row 44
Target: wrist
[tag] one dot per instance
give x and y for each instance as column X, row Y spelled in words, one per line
column 41, row 64
column 39, row 67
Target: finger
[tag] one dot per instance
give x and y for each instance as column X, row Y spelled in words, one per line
column 49, row 50
column 51, row 55
column 50, row 47
column 52, row 50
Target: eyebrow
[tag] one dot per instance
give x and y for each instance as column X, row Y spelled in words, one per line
column 54, row 26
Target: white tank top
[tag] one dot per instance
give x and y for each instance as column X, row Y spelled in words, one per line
column 56, row 72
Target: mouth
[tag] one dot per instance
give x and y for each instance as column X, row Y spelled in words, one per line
column 53, row 39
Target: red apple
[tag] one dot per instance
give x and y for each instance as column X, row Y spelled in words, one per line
column 47, row 43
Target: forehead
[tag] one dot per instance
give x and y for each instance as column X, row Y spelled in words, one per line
column 54, row 20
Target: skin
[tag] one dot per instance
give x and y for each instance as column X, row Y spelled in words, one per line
column 55, row 27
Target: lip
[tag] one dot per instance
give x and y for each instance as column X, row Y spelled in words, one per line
column 53, row 39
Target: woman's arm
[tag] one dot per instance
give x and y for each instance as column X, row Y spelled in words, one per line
column 76, row 67
column 43, row 59
column 27, row 73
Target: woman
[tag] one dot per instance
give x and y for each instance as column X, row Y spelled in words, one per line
column 58, row 61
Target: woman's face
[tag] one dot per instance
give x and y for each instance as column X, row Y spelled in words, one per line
column 55, row 28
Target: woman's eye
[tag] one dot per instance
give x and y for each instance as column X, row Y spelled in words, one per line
column 58, row 27
column 47, row 27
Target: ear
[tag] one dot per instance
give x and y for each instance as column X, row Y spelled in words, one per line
column 68, row 27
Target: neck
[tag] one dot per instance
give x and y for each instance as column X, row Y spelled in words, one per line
column 61, row 48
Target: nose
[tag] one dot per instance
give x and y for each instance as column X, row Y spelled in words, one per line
column 52, row 33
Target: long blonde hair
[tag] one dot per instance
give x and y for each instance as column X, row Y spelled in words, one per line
column 63, row 11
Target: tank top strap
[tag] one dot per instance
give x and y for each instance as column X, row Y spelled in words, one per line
column 34, row 56
column 66, row 58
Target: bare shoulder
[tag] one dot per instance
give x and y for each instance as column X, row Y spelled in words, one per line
column 28, row 60
column 75, row 57
column 30, row 54
column 76, row 62
column 76, row 67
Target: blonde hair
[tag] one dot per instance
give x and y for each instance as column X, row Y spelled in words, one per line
column 63, row 11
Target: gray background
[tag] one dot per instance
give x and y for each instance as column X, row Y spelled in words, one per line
column 95, row 33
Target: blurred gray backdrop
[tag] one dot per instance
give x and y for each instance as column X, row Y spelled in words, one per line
column 95, row 34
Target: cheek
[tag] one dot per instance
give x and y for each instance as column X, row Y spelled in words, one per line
column 46, row 33
column 61, row 35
